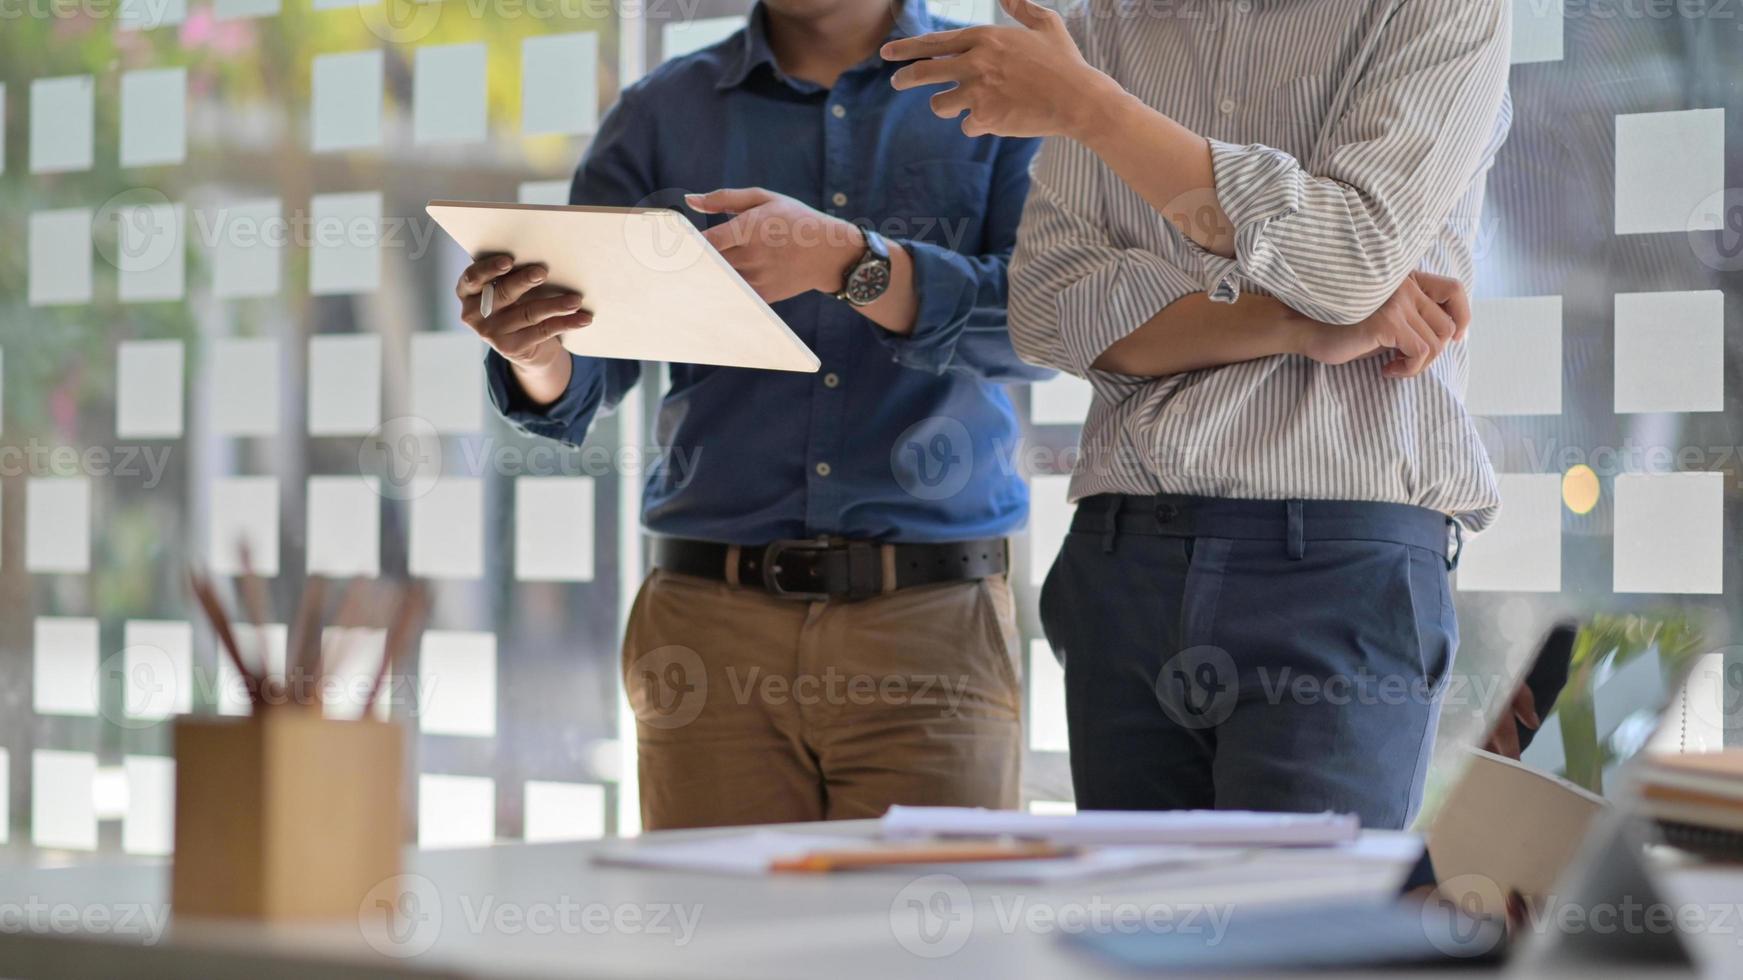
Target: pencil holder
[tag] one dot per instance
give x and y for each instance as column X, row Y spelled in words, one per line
column 284, row 814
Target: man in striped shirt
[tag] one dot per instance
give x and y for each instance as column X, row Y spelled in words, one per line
column 1251, row 229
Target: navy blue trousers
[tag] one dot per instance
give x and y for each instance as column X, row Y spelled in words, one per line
column 1252, row 655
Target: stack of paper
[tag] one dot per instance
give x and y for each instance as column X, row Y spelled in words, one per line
column 1229, row 828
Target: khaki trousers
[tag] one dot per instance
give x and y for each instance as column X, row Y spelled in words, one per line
column 754, row 709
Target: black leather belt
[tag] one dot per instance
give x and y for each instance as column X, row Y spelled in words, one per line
column 832, row 568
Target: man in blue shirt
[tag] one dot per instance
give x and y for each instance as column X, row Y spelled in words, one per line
column 829, row 628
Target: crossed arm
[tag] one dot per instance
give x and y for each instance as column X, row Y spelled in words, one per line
column 1404, row 149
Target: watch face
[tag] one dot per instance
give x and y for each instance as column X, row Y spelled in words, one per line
column 868, row 282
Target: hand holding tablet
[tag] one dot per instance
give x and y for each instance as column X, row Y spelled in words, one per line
column 655, row 289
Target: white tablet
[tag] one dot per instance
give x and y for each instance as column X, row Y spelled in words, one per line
column 657, row 290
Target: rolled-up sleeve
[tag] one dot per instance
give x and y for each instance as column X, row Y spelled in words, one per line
column 1075, row 292
column 1335, row 238
column 961, row 323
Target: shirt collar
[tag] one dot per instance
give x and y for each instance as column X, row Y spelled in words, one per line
column 912, row 19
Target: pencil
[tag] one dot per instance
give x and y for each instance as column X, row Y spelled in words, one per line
column 408, row 618
column 221, row 626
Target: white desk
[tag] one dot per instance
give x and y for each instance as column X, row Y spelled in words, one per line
column 520, row 910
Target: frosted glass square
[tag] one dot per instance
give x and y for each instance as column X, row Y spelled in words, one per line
column 145, row 15
column 62, row 123
column 456, row 811
column 64, row 667
column 151, row 253
column 457, row 681
column 1514, row 346
column 1060, row 400
column 243, row 508
column 1670, row 352
column 553, row 529
column 543, row 192
column 57, row 532
column 63, row 812
column 236, row 9
column 248, row 248
column 1047, row 730
column 1670, row 533
column 158, row 658
column 344, row 384
column 563, row 811
column 346, row 103
column 149, row 825
column 232, row 694
column 60, row 257
column 448, row 94
column 689, row 36
column 1537, row 31
column 447, row 530
column 1521, row 551
column 560, row 83
column 448, row 381
column 344, row 536
column 148, row 389
column 1049, row 521
column 154, row 117
column 1667, row 163
column 244, row 377
column 345, row 254
column 354, row 655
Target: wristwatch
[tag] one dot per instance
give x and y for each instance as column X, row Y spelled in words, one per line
column 870, row 276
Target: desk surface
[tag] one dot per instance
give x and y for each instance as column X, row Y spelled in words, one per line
column 532, row 910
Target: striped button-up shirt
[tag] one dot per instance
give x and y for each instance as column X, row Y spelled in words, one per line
column 1350, row 141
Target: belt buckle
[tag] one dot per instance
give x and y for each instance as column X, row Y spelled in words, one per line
column 771, row 580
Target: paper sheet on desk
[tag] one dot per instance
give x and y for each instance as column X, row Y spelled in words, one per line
column 752, row 852
column 1232, row 828
column 748, row 853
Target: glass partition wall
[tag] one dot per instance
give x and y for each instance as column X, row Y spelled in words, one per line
column 224, row 317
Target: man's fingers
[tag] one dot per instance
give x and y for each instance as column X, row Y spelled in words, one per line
column 1451, row 295
column 950, row 103
column 728, row 236
column 1030, row 14
column 935, row 72
column 728, row 200
column 1525, row 708
column 531, row 313
column 480, row 272
column 933, row 45
column 516, row 284
column 1436, row 319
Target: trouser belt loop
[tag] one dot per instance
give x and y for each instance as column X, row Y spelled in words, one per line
column 1111, row 531
column 1457, row 549
column 1296, row 535
column 732, row 558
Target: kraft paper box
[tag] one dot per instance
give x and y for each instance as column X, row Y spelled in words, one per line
column 284, row 814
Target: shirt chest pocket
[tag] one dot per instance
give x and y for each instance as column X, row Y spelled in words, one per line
column 938, row 201
column 1296, row 114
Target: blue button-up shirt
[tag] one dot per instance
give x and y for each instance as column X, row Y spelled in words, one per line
column 896, row 438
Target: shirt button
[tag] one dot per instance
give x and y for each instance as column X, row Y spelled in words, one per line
column 839, row 200
column 838, row 110
column 822, row 469
column 1243, row 6
column 1226, row 106
column 831, row 380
